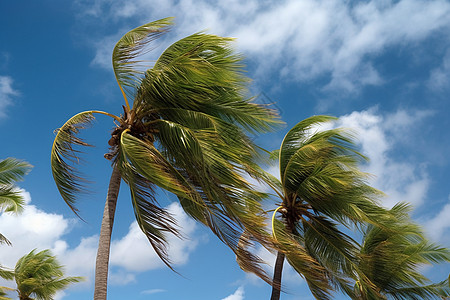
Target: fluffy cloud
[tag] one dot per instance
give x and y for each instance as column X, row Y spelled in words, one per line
column 237, row 295
column 140, row 255
column 299, row 40
column 379, row 135
column 6, row 93
column 130, row 254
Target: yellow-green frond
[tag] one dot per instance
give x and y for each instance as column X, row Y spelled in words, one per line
column 65, row 156
column 128, row 48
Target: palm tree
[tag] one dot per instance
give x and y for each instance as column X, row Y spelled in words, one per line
column 38, row 275
column 11, row 200
column 391, row 259
column 321, row 190
column 185, row 132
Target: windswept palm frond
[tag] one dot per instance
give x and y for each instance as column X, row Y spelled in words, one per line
column 4, row 294
column 202, row 73
column 64, row 157
column 6, row 273
column 11, row 199
column 303, row 263
column 146, row 160
column 129, row 47
column 4, row 240
column 391, row 257
column 40, row 275
column 13, row 170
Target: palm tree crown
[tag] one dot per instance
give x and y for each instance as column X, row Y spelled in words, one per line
column 184, row 132
column 321, row 189
column 390, row 257
column 38, row 275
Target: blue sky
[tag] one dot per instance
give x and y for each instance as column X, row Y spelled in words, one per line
column 382, row 66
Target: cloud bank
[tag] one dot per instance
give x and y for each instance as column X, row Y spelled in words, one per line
column 294, row 40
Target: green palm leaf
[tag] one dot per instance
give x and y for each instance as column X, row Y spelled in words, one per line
column 202, row 73
column 298, row 257
column 391, row 257
column 64, row 157
column 129, row 47
column 38, row 275
column 13, row 170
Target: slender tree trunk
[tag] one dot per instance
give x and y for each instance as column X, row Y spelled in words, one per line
column 277, row 272
column 102, row 261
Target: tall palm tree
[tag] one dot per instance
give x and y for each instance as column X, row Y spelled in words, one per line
column 11, row 200
column 321, row 190
column 391, row 259
column 38, row 275
column 183, row 129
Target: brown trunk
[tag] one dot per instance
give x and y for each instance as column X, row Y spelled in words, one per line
column 102, row 261
column 277, row 272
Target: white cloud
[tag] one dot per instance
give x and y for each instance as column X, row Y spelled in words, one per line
column 440, row 77
column 152, row 291
column 379, row 135
column 6, row 93
column 134, row 253
column 237, row 295
column 299, row 40
column 131, row 254
column 34, row 228
column 439, row 224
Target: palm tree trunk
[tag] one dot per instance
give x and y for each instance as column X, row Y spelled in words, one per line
column 277, row 272
column 102, row 261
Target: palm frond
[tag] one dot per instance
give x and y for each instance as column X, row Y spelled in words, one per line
column 202, row 73
column 64, row 158
column 3, row 294
column 13, row 170
column 302, row 262
column 390, row 257
column 6, row 273
column 4, row 240
column 129, row 47
column 154, row 221
column 296, row 137
column 152, row 165
column 11, row 199
column 333, row 248
column 41, row 275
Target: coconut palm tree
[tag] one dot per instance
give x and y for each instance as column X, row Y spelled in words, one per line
column 321, row 190
column 391, row 259
column 183, row 129
column 38, row 275
column 11, row 200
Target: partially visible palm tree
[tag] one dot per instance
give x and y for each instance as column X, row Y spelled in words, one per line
column 321, row 190
column 391, row 260
column 38, row 275
column 185, row 132
column 11, row 200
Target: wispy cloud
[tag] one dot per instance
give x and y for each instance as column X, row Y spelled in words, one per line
column 296, row 40
column 439, row 80
column 152, row 291
column 439, row 225
column 7, row 92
